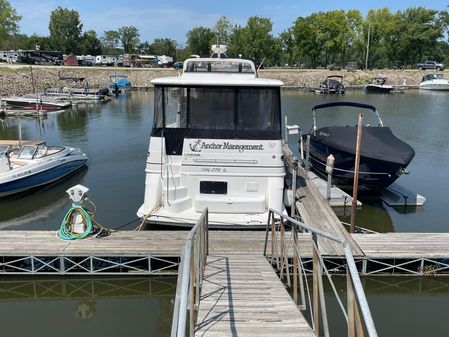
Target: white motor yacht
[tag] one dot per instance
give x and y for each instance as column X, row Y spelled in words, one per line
column 216, row 142
column 434, row 82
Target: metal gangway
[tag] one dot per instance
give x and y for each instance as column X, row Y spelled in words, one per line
column 197, row 272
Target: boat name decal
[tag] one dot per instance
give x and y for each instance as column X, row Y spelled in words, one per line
column 200, row 145
column 21, row 174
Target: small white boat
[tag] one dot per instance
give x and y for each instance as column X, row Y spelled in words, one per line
column 34, row 164
column 35, row 102
column 434, row 82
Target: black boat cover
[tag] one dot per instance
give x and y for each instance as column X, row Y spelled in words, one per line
column 377, row 143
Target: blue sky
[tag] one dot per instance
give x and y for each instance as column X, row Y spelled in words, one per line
column 174, row 18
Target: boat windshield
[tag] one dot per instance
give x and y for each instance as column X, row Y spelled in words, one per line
column 430, row 77
column 217, row 66
column 27, row 152
column 217, row 108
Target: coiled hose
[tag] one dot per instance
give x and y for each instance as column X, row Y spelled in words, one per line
column 65, row 232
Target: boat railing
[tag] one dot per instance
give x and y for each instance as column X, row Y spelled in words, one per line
column 190, row 277
column 345, row 104
column 282, row 245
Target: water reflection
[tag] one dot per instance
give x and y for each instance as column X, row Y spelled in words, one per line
column 39, row 204
column 96, row 306
column 400, row 305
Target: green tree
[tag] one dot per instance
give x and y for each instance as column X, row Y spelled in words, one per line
column 9, row 22
column 65, row 30
column 288, row 46
column 419, row 32
column 199, row 40
column 129, row 37
column 254, row 40
column 30, row 42
column 90, row 43
column 162, row 46
column 309, row 40
column 110, row 41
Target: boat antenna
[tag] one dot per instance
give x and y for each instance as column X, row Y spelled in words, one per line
column 260, row 65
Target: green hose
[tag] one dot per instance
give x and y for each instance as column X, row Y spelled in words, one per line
column 65, row 232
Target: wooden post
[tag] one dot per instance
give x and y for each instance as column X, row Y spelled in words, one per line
column 351, row 305
column 284, row 260
column 356, row 173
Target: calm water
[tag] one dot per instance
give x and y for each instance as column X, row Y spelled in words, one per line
column 115, row 136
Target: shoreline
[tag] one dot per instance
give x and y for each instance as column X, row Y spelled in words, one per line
column 20, row 79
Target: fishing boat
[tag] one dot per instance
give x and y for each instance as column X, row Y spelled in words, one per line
column 333, row 84
column 434, row 82
column 35, row 102
column 28, row 164
column 119, row 84
column 73, row 93
column 378, row 85
column 216, row 142
column 383, row 156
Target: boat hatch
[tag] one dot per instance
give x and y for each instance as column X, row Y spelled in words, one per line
column 238, row 113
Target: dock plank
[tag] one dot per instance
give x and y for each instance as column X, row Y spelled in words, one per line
column 316, row 212
column 243, row 296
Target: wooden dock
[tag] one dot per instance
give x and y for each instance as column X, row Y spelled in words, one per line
column 243, row 296
column 315, row 211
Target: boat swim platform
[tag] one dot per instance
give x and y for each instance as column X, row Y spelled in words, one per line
column 158, row 252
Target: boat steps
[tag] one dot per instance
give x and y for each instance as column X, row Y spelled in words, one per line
column 176, row 192
column 178, row 205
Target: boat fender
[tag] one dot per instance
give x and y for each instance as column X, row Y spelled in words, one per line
column 330, row 164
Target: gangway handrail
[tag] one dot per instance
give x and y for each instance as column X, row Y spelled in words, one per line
column 190, row 276
column 353, row 278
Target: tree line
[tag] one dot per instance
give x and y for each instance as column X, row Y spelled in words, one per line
column 380, row 39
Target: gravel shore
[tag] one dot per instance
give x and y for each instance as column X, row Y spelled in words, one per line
column 20, row 79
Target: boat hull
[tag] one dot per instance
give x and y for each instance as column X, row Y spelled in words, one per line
column 31, row 105
column 378, row 89
column 383, row 156
column 436, row 87
column 30, row 180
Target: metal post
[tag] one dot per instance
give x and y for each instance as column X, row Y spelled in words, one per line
column 295, row 267
column 294, row 174
column 329, row 169
column 356, row 172
column 316, row 304
column 273, row 232
column 307, row 156
column 301, row 145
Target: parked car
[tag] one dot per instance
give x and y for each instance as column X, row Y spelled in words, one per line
column 178, row 65
column 430, row 65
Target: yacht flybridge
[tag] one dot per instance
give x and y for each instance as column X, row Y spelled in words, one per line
column 216, row 142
